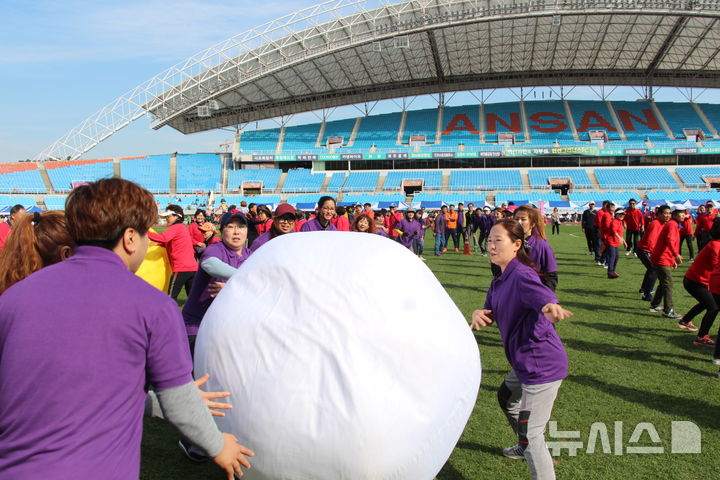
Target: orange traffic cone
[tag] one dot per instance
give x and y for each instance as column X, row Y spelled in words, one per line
column 466, row 250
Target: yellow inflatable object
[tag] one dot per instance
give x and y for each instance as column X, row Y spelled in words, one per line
column 155, row 269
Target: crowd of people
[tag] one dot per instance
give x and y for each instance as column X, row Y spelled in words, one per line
column 655, row 237
column 85, row 256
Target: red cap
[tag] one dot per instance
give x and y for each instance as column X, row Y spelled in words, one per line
column 284, row 209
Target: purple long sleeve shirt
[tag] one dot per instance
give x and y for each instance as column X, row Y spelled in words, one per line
column 532, row 345
column 199, row 299
column 441, row 223
column 411, row 230
column 542, row 254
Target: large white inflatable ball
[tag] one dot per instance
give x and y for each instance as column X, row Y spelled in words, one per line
column 346, row 360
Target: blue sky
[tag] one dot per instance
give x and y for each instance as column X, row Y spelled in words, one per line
column 60, row 61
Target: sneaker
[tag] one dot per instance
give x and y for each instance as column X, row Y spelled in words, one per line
column 706, row 340
column 689, row 325
column 613, row 275
column 716, row 360
column 627, row 254
column 605, row 266
column 676, row 316
column 444, row 250
column 192, row 452
column 515, row 452
column 656, row 309
column 599, row 264
column 641, row 291
column 456, row 250
column 647, row 298
column 634, row 254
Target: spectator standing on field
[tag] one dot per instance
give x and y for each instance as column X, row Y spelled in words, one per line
column 589, row 228
column 686, row 236
column 634, row 226
column 441, row 231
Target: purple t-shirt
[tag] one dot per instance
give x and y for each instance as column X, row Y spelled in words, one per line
column 80, row 341
column 199, row 299
column 532, row 346
column 542, row 254
column 315, row 226
column 411, row 230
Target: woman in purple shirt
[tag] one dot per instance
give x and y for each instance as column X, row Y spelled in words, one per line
column 539, row 250
column 218, row 262
column 408, row 230
column 532, row 346
column 283, row 223
column 322, row 221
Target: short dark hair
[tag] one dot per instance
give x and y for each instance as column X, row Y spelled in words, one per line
column 98, row 213
column 324, row 199
column 199, row 211
column 662, row 208
column 16, row 208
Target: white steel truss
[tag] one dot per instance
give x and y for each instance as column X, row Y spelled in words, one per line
column 353, row 51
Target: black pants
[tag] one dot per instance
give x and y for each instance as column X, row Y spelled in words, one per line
column 593, row 242
column 664, row 291
column 178, row 281
column 650, row 276
column 555, row 228
column 632, row 237
column 453, row 232
column 612, row 258
column 702, row 240
column 706, row 302
column 687, row 239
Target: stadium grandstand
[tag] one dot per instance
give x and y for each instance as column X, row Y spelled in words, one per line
column 559, row 149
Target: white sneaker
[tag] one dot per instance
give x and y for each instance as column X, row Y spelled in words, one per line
column 716, row 361
column 515, row 452
column 627, row 254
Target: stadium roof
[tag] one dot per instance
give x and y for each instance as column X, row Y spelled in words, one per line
column 352, row 51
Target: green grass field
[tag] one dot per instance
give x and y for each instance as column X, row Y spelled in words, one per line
column 626, row 365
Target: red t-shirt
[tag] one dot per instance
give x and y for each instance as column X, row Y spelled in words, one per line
column 687, row 229
column 633, row 219
column 714, row 283
column 667, row 246
column 704, row 263
column 649, row 238
column 176, row 239
column 342, row 223
column 616, row 227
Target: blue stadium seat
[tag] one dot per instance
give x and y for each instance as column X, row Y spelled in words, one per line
column 378, row 130
column 640, row 177
column 540, row 177
column 498, row 116
column 62, row 178
column 28, row 181
column 12, row 200
column 692, row 176
column 199, row 171
column 635, row 129
column 450, row 198
column 555, row 111
column 269, row 177
column 485, row 179
column 363, row 181
column 303, row 180
column 53, row 202
column 260, row 141
column 300, row 138
column 338, row 128
column 421, row 122
column 336, row 182
column 458, row 117
column 592, row 115
column 151, row 172
column 394, row 179
column 679, row 116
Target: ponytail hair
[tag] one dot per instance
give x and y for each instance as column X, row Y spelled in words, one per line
column 536, row 219
column 36, row 241
column 516, row 232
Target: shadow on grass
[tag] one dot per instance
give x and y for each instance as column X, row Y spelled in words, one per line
column 631, row 310
column 676, row 407
column 631, row 353
column 631, row 331
column 449, row 472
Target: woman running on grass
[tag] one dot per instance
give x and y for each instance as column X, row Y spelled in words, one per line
column 525, row 311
